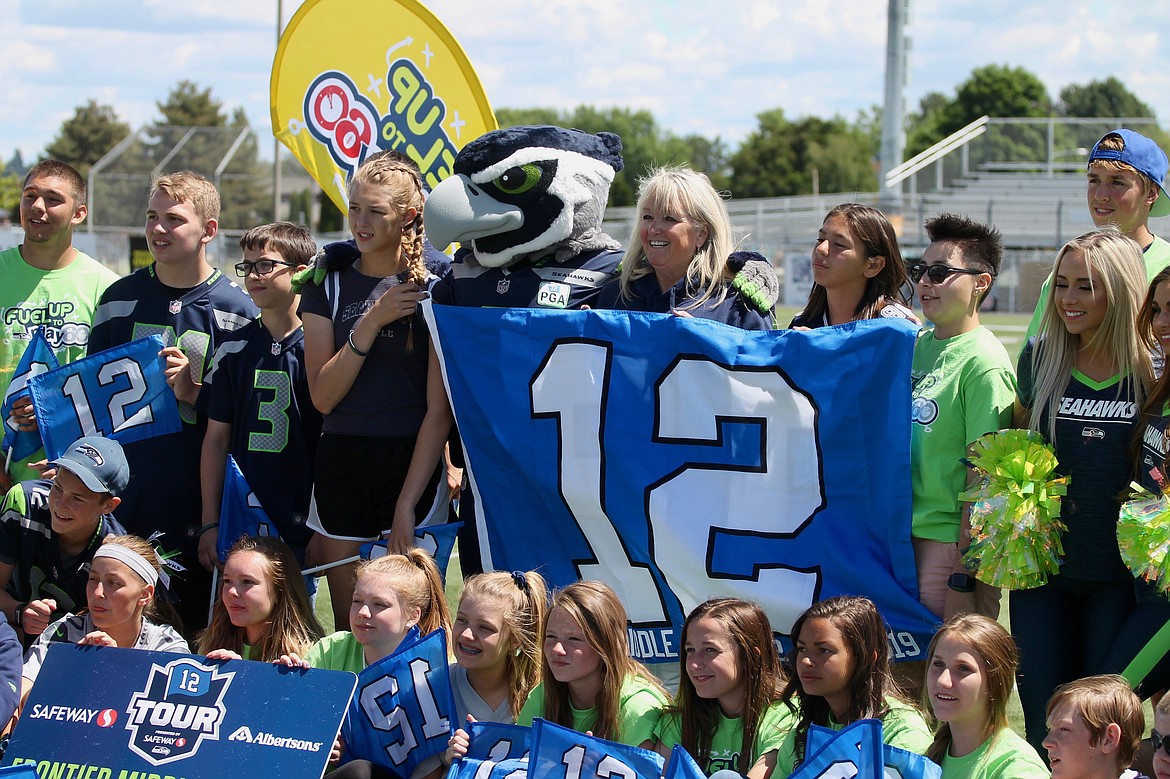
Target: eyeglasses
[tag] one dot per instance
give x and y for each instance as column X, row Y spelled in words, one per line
column 260, row 267
column 937, row 273
column 1159, row 741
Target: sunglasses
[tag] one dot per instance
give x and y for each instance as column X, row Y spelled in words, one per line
column 260, row 267
column 1159, row 741
column 936, row 273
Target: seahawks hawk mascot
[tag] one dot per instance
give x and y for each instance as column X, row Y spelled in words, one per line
column 527, row 203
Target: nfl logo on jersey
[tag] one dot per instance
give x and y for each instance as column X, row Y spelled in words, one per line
column 176, row 306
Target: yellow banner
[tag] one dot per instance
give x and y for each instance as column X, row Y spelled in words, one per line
column 353, row 78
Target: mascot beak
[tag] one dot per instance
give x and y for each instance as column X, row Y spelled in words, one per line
column 458, row 210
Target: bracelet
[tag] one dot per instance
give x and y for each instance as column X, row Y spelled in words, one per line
column 353, row 346
column 18, row 620
column 205, row 528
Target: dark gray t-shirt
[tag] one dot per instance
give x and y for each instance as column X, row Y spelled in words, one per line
column 389, row 395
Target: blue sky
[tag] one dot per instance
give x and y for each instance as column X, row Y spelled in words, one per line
column 701, row 66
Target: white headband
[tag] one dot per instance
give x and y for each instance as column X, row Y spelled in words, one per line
column 125, row 554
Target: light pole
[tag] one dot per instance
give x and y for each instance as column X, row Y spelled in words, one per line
column 894, row 110
column 275, row 140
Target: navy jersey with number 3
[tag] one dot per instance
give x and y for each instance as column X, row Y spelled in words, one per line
column 260, row 387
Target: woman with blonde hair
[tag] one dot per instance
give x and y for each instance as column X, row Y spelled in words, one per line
column 122, row 607
column 590, row 681
column 681, row 257
column 374, row 375
column 1082, row 380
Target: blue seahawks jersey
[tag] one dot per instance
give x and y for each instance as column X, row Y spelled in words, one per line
column 29, row 544
column 260, row 387
column 544, row 284
column 164, row 486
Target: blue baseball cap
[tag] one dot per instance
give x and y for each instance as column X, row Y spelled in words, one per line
column 99, row 463
column 1144, row 156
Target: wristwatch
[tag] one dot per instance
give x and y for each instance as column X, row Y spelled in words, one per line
column 18, row 620
column 961, row 582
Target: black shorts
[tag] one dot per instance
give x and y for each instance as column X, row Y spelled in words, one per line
column 356, row 482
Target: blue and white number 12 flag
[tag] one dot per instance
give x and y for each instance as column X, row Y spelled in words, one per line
column 120, row 393
column 681, row 459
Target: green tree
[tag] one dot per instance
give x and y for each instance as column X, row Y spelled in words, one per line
column 10, row 186
column 517, row 117
column 189, row 106
column 213, row 149
column 85, row 137
column 707, row 155
column 1108, row 98
column 994, row 90
column 780, row 157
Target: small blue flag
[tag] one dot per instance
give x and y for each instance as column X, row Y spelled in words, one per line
column 563, row 753
column 855, row 752
column 437, row 540
column 240, row 513
column 121, row 393
column 682, row 766
column 401, row 713
column 38, row 358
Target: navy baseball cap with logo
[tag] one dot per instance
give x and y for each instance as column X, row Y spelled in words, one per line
column 1144, row 156
column 98, row 462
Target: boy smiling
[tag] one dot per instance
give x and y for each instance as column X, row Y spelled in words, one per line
column 47, row 281
column 194, row 308
column 1125, row 188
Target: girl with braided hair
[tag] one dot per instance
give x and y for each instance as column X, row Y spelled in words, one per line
column 374, row 376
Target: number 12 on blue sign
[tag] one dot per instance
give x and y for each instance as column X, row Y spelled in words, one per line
column 120, row 393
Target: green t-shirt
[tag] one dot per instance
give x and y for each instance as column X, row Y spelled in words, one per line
column 62, row 300
column 338, row 652
column 963, row 387
column 640, row 707
column 1156, row 257
column 902, row 727
column 1003, row 756
column 774, row 725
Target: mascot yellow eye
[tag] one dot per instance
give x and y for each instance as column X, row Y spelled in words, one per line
column 518, row 180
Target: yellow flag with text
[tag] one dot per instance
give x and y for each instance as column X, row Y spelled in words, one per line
column 352, row 78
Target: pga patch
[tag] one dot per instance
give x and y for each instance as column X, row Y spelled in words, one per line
column 181, row 705
column 553, row 294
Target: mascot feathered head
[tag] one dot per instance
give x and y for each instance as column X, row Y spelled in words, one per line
column 526, row 192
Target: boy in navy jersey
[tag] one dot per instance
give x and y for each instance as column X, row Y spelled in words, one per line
column 194, row 308
column 256, row 395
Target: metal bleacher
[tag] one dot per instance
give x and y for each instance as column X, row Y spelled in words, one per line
column 1025, row 176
